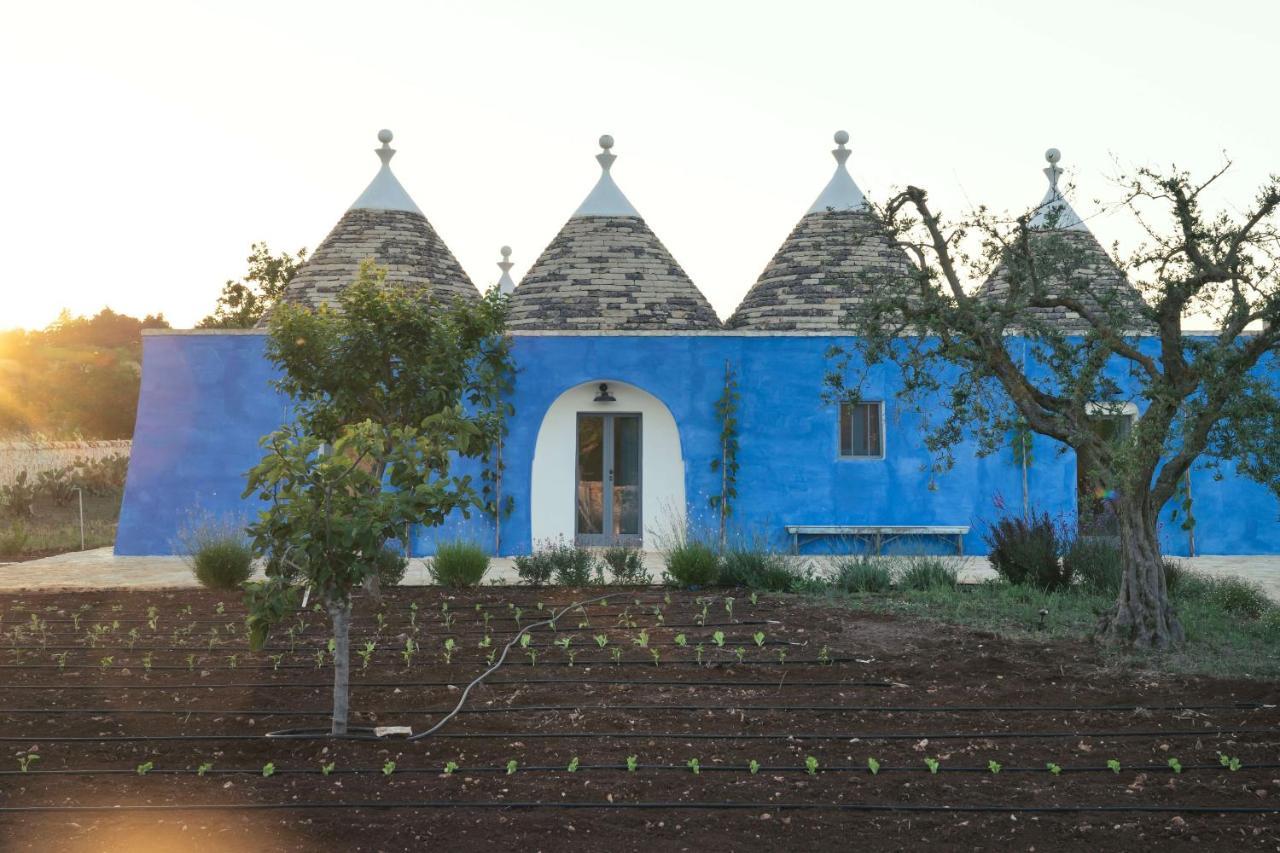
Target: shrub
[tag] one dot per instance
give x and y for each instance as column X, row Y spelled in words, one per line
column 862, row 574
column 1234, row 595
column 15, row 539
column 458, row 564
column 1026, row 552
column 17, row 497
column 757, row 567
column 626, row 565
column 1096, row 562
column 391, row 566
column 692, row 563
column 925, row 573
column 224, row 563
column 568, row 564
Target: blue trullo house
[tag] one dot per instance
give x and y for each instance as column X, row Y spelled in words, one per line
column 621, row 360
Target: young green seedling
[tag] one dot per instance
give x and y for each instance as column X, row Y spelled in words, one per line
column 450, row 767
column 824, row 656
column 573, row 765
column 741, row 653
column 728, row 607
column 1230, row 762
column 1113, row 765
column 933, row 764
column 144, row 768
column 873, row 766
column 616, row 654
column 146, row 662
column 410, row 649
column 753, row 766
column 811, row 765
column 718, row 639
column 366, row 652
column 326, row 769
column 511, row 766
column 994, row 766
column 449, row 646
column 782, row 655
column 601, row 640
column 525, row 640
column 1175, row 765
column 486, row 642
column 642, row 639
column 268, row 769
column 693, row 765
column 656, row 654
column 697, row 650
column 1054, row 769
column 388, row 767
column 25, row 761
column 758, row 636
column 632, row 762
column 533, row 656
column 204, row 768
column 680, row 640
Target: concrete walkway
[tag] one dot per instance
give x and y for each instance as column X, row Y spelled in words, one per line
column 100, row 568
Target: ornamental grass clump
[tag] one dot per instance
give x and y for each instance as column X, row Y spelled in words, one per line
column 223, row 563
column 928, row 573
column 458, row 564
column 692, row 564
column 862, row 574
column 565, row 563
column 755, row 566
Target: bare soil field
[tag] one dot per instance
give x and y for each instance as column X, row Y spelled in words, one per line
column 783, row 706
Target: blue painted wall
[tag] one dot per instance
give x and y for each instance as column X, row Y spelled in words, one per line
column 206, row 400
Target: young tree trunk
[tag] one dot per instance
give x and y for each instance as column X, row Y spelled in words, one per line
column 340, row 612
column 1144, row 616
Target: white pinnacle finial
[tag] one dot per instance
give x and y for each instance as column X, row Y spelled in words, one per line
column 505, row 284
column 386, row 152
column 840, row 152
column 606, row 157
column 1053, row 171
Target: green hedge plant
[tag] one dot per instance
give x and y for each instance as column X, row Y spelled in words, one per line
column 458, row 564
column 692, row 563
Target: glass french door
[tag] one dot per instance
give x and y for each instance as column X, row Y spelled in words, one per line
column 608, row 479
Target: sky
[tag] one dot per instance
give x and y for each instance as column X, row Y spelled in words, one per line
column 145, row 146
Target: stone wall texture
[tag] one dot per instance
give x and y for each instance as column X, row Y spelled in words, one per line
column 830, row 261
column 605, row 273
column 402, row 241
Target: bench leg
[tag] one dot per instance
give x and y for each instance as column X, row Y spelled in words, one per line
column 960, row 544
column 795, row 542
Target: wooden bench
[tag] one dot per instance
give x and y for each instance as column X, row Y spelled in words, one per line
column 877, row 534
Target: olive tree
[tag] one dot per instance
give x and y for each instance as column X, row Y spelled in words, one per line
column 980, row 365
column 389, row 389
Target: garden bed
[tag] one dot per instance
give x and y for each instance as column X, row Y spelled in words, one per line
column 165, row 684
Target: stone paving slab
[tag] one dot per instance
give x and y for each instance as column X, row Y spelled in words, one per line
column 100, row 568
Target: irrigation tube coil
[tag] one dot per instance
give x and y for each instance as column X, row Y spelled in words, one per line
column 363, row 733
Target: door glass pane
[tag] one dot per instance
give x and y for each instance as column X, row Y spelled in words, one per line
column 626, row 475
column 590, row 496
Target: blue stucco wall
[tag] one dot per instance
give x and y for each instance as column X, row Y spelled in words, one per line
column 206, row 400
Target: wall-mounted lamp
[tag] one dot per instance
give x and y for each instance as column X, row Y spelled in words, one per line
column 604, row 396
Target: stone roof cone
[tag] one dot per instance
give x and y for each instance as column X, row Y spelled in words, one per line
column 1098, row 282
column 607, row 271
column 837, row 250
column 386, row 225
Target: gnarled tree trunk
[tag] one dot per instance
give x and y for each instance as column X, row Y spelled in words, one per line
column 1144, row 615
column 340, row 613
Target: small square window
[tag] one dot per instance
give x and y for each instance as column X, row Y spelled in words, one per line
column 860, row 429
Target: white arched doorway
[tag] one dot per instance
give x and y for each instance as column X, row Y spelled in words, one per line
column 606, row 471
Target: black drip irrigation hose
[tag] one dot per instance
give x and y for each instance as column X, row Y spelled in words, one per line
column 634, row 735
column 527, row 709
column 320, row 733
column 507, row 682
column 582, row 662
column 623, row 768
column 604, row 805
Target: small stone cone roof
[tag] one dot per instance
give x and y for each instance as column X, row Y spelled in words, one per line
column 383, row 224
column 607, row 271
column 837, row 251
column 1097, row 281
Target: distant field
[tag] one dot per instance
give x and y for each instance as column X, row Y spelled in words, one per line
column 36, row 456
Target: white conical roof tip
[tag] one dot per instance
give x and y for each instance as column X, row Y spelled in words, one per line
column 505, row 283
column 384, row 191
column 840, row 193
column 605, row 199
column 1053, row 202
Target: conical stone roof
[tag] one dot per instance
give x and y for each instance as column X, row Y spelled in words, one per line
column 607, row 271
column 383, row 224
column 836, row 253
column 1094, row 277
